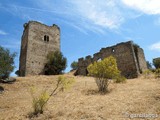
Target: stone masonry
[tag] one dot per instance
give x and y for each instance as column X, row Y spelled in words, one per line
column 37, row 41
column 130, row 59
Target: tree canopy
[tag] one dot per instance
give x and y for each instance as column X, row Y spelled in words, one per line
column 6, row 62
column 56, row 63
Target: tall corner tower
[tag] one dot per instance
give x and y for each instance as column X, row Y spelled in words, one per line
column 37, row 41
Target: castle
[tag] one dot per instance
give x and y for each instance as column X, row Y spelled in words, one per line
column 36, row 42
column 130, row 59
column 39, row 39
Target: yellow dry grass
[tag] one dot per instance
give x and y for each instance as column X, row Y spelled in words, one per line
column 82, row 101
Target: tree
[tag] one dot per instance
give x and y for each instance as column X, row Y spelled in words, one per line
column 156, row 63
column 56, row 63
column 103, row 71
column 74, row 65
column 6, row 62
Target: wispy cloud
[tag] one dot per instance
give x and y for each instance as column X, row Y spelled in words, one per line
column 2, row 32
column 87, row 15
column 155, row 46
column 104, row 13
column 145, row 6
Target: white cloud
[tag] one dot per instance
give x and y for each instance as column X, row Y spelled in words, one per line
column 87, row 15
column 145, row 6
column 2, row 32
column 104, row 13
column 155, row 46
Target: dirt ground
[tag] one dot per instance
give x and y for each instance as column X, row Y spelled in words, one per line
column 137, row 99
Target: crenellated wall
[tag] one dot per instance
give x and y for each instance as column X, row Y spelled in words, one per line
column 130, row 59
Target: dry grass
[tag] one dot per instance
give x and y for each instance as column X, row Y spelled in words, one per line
column 82, row 102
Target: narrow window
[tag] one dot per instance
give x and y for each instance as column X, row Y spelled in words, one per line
column 45, row 38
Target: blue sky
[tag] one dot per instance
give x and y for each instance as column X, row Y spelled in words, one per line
column 86, row 25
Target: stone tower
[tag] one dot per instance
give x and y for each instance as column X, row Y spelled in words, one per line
column 37, row 41
column 130, row 59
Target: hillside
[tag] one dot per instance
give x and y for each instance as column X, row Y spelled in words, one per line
column 81, row 102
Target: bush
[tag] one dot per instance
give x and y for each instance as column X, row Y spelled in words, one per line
column 157, row 73
column 39, row 101
column 6, row 62
column 156, row 63
column 147, row 73
column 120, row 79
column 103, row 71
column 74, row 65
column 56, row 63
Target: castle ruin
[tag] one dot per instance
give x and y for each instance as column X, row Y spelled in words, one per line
column 37, row 41
column 130, row 59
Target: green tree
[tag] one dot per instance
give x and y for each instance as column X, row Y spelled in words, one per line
column 103, row 71
column 56, row 63
column 6, row 62
column 74, row 65
column 156, row 63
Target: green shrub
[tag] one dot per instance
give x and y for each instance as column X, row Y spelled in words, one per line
column 65, row 82
column 120, row 79
column 157, row 73
column 147, row 73
column 74, row 65
column 39, row 101
column 156, row 63
column 103, row 71
column 6, row 62
column 56, row 63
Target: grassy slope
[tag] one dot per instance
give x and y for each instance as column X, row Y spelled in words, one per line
column 82, row 102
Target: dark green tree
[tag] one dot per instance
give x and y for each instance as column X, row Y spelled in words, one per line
column 74, row 65
column 6, row 62
column 56, row 63
column 156, row 63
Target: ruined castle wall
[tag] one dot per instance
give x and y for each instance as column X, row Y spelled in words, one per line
column 124, row 53
column 83, row 64
column 39, row 47
column 141, row 60
column 125, row 57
